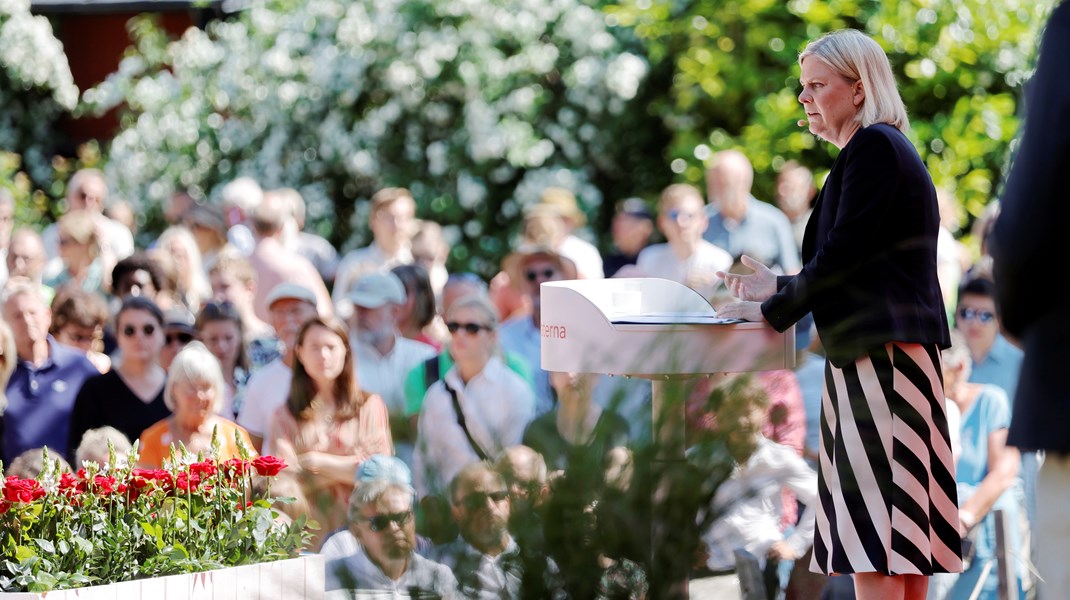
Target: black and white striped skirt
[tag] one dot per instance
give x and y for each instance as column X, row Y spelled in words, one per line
column 887, row 501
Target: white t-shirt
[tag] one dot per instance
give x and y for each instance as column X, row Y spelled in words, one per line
column 385, row 375
column 497, row 404
column 696, row 271
column 266, row 391
column 585, row 255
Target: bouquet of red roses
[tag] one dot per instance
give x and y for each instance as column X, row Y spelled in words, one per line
column 117, row 522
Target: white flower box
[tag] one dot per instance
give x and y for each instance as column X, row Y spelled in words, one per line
column 294, row 579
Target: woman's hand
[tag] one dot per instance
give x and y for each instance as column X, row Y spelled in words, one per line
column 748, row 311
column 756, row 287
column 782, row 551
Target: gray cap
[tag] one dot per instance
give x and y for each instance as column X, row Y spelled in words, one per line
column 291, row 291
column 376, row 289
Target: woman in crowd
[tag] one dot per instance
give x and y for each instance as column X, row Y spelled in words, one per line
column 130, row 396
column 192, row 288
column 577, row 430
column 328, row 426
column 8, row 358
column 78, row 320
column 478, row 409
column 417, row 320
column 80, row 254
column 870, row 280
column 194, row 394
column 219, row 326
column 986, row 471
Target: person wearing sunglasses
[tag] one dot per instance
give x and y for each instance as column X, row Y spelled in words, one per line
column 88, row 191
column 685, row 257
column 994, row 359
column 485, row 558
column 178, row 332
column 478, row 409
column 130, row 396
column 528, row 268
column 381, row 518
column 44, row 375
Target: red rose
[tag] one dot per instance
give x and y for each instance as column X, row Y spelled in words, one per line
column 235, row 467
column 105, row 485
column 4, row 506
column 68, row 484
column 268, row 466
column 22, row 490
column 187, row 482
column 203, row 469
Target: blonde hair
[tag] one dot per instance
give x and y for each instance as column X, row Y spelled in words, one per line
column 855, row 56
column 195, row 364
column 677, row 192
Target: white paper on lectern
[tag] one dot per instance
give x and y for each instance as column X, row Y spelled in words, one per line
column 672, row 318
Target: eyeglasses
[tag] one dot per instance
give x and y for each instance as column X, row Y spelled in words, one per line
column 146, row 330
column 972, row 314
column 546, row 273
column 681, row 215
column 382, row 522
column 469, row 328
column 182, row 338
column 478, row 500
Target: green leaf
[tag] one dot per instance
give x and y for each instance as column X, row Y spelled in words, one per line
column 46, row 545
column 24, row 552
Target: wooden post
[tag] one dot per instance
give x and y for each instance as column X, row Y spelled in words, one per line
column 1005, row 569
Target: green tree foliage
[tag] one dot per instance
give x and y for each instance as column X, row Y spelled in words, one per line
column 733, row 79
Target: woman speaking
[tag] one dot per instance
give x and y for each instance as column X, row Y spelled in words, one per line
column 886, row 493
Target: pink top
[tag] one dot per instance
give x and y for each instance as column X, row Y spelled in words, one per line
column 327, row 499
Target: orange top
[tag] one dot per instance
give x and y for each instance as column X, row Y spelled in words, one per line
column 155, row 442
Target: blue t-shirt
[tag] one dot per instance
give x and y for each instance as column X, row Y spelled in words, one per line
column 1000, row 367
column 40, row 400
column 764, row 234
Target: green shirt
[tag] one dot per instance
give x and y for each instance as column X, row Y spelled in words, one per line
column 416, row 380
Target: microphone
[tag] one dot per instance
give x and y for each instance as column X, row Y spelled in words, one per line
column 802, row 123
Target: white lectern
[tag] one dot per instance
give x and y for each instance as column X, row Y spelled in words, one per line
column 659, row 330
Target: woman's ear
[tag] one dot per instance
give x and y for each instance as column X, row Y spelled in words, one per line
column 859, row 93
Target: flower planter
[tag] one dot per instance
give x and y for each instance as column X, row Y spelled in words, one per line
column 293, row 579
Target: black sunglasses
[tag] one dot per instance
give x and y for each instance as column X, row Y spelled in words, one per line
column 147, row 330
column 470, row 328
column 546, row 273
column 182, row 338
column 478, row 500
column 382, row 522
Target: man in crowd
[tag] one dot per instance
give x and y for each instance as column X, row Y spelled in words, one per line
column 88, row 191
column 384, row 357
column 486, row 560
column 529, row 267
column 289, row 306
column 26, row 258
column 381, row 518
column 240, row 199
column 274, row 264
column 685, row 257
column 582, row 253
column 632, row 228
column 794, row 192
column 391, row 220
column 234, row 280
column 740, row 223
column 47, row 377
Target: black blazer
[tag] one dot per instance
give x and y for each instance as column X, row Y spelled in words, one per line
column 869, row 252
column 1030, row 235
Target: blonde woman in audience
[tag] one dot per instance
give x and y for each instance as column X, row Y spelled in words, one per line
column 193, row 287
column 194, row 394
column 81, row 258
column 97, row 444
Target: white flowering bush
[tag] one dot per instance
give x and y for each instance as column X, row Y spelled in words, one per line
column 36, row 87
column 475, row 105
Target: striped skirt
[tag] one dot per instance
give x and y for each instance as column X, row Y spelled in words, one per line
column 887, row 500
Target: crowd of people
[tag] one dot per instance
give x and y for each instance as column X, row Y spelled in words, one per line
column 421, row 433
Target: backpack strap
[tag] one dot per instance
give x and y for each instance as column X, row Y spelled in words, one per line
column 461, row 421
